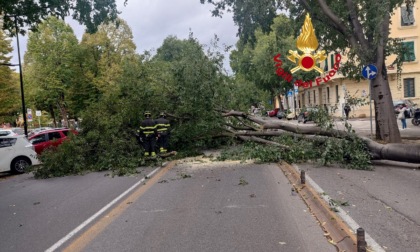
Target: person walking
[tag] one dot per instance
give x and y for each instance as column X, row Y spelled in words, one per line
column 148, row 134
column 162, row 128
column 347, row 110
column 401, row 116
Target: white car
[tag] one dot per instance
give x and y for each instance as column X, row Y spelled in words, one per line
column 11, row 132
column 16, row 154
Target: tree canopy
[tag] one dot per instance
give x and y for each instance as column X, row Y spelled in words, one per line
column 30, row 13
column 9, row 82
column 358, row 29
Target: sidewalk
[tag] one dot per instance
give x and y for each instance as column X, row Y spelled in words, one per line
column 362, row 126
column 384, row 202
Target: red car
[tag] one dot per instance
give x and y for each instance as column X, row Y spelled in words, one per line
column 273, row 113
column 49, row 138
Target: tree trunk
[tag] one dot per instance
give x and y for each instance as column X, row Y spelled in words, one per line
column 386, row 125
column 393, row 151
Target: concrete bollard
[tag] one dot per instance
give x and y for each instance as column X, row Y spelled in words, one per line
column 361, row 242
column 302, row 177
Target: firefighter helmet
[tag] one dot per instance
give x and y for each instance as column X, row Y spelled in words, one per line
column 147, row 114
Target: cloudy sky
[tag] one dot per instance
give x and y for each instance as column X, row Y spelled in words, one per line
column 152, row 21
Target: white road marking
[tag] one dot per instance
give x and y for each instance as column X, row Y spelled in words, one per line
column 346, row 218
column 93, row 217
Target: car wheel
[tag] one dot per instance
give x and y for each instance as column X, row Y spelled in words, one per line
column 20, row 164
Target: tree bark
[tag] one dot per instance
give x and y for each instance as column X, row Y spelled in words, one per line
column 409, row 153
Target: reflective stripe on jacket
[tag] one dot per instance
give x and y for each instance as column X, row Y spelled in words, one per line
column 162, row 125
column 148, row 127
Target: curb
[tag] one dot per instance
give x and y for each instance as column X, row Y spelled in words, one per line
column 337, row 232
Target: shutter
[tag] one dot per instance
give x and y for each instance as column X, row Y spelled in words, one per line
column 407, row 16
column 409, row 54
column 404, row 15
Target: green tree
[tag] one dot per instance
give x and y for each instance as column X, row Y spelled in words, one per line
column 247, row 15
column 196, row 90
column 9, row 83
column 30, row 13
column 360, row 29
column 104, row 52
column 51, row 66
column 255, row 62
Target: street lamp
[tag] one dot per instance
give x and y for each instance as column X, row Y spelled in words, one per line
column 25, row 124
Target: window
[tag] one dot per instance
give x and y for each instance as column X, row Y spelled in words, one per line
column 326, row 65
column 54, row 135
column 309, row 98
column 328, row 95
column 303, row 99
column 7, row 142
column 408, row 53
column 332, row 61
column 407, row 16
column 39, row 139
column 314, row 97
column 336, row 94
column 409, row 90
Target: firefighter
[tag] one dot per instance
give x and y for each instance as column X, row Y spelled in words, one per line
column 162, row 128
column 148, row 134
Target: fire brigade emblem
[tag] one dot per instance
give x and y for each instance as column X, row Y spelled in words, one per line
column 307, row 43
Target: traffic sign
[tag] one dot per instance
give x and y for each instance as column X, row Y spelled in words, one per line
column 370, row 71
column 38, row 113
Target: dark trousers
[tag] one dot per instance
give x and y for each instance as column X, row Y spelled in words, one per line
column 163, row 141
column 149, row 144
column 347, row 113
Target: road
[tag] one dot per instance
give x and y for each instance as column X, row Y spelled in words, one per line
column 194, row 206
column 200, row 206
column 384, row 202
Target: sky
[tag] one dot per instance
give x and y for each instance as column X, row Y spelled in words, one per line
column 151, row 21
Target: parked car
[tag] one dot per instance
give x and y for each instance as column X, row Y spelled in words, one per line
column 307, row 115
column 273, row 113
column 12, row 132
column 281, row 114
column 410, row 105
column 37, row 130
column 16, row 154
column 49, row 138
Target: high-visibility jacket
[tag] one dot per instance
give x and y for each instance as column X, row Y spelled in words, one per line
column 162, row 125
column 148, row 127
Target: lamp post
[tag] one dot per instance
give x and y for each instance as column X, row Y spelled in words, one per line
column 25, row 124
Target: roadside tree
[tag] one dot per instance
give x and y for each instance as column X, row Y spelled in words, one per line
column 9, row 83
column 51, row 67
column 31, row 13
column 358, row 29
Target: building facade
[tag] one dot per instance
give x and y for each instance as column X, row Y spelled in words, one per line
column 332, row 95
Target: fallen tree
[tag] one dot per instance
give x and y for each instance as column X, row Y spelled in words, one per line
column 257, row 129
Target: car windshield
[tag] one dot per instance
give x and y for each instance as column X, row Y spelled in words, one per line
column 4, row 132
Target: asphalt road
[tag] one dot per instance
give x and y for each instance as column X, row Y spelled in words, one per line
column 35, row 214
column 197, row 206
column 384, row 202
column 221, row 207
column 194, row 206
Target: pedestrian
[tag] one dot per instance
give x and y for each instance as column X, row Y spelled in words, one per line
column 148, row 134
column 347, row 110
column 401, row 116
column 162, row 128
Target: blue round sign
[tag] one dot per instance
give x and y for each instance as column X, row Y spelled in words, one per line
column 370, row 72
